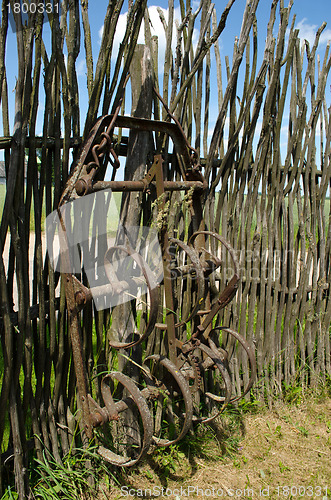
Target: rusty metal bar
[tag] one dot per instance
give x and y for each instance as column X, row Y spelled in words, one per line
column 85, row 295
column 100, row 416
column 159, row 126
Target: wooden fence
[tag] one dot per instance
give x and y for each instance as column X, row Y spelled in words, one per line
column 268, row 195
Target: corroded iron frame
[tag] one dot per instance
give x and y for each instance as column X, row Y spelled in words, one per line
column 98, row 144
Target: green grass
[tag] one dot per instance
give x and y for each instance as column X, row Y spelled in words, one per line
column 32, row 220
column 76, row 477
column 113, row 212
column 115, row 209
column 295, row 216
column 220, row 444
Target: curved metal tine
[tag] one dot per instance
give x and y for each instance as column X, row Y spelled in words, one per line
column 229, row 291
column 214, row 345
column 161, row 387
column 193, row 151
column 217, row 361
column 223, row 241
column 151, row 286
column 250, row 353
column 114, row 408
column 213, row 258
column 192, row 254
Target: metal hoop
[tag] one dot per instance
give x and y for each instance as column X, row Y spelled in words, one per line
column 113, row 408
column 152, row 289
column 250, row 353
column 157, row 385
column 190, row 251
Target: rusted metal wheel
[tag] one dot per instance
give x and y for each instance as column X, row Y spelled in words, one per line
column 213, row 341
column 216, row 378
column 171, row 402
column 211, row 260
column 186, row 265
column 122, row 441
column 132, row 276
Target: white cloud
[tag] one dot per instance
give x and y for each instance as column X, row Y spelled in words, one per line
column 258, row 128
column 308, row 32
column 100, row 33
column 81, row 67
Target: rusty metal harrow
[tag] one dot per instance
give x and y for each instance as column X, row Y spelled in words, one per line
column 180, row 369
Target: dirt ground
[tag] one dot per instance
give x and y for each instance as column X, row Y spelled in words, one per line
column 284, row 452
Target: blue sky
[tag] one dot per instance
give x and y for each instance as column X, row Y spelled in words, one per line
column 308, row 20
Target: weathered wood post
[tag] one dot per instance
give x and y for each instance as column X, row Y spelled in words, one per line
column 123, row 317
